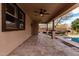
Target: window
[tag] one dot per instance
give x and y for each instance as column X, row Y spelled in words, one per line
column 13, row 17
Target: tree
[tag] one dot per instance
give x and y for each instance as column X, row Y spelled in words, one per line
column 75, row 25
column 63, row 18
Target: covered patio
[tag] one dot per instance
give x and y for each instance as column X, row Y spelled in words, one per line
column 31, row 42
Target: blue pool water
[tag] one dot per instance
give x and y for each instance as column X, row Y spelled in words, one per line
column 75, row 39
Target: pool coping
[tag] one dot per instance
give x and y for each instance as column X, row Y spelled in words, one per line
column 68, row 41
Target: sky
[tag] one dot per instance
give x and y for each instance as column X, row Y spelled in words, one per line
column 74, row 15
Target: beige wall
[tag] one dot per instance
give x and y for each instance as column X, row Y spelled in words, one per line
column 10, row 40
column 34, row 27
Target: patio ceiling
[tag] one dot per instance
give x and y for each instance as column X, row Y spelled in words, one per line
column 54, row 9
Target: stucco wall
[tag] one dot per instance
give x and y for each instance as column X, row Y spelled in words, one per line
column 10, row 40
column 34, row 27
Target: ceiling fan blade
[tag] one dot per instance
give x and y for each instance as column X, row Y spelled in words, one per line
column 36, row 11
column 46, row 13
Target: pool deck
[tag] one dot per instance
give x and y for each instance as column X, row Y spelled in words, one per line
column 43, row 45
column 69, row 41
column 73, row 35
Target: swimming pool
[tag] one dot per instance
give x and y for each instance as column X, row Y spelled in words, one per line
column 75, row 39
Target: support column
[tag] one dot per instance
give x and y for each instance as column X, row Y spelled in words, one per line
column 34, row 27
column 53, row 29
column 47, row 28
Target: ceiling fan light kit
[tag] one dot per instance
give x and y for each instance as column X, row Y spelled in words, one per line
column 42, row 12
column 41, row 15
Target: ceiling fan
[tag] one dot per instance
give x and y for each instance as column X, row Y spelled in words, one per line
column 42, row 12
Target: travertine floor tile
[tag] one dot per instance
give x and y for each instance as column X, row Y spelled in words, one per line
column 43, row 45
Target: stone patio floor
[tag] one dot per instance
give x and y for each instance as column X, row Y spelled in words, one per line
column 43, row 45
